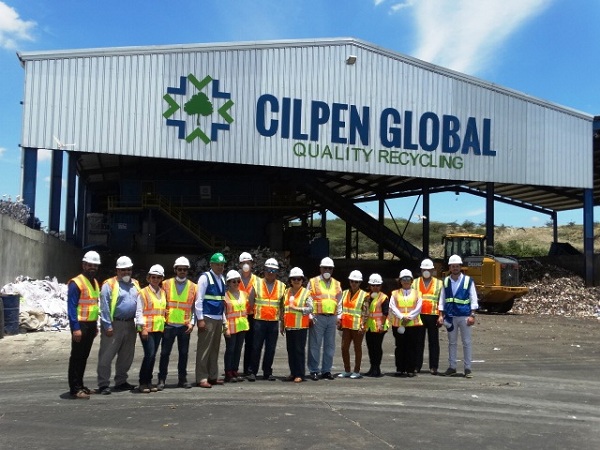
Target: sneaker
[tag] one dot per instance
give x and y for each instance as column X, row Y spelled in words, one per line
column 124, row 387
column 269, row 377
column 449, row 372
column 81, row 395
column 411, row 374
column 161, row 385
column 327, row 376
column 252, row 377
column 468, row 373
column 355, row 375
column 144, row 388
column 314, row 376
column 238, row 377
column 184, row 385
column 345, row 375
column 153, row 388
column 103, row 390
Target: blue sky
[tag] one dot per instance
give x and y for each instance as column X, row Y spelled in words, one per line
column 544, row 48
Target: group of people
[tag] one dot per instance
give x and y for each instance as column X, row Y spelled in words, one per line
column 251, row 312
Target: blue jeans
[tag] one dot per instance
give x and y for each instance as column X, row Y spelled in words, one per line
column 322, row 333
column 150, row 346
column 233, row 351
column 183, row 346
column 265, row 332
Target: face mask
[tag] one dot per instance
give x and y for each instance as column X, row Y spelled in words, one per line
column 374, row 294
column 246, row 267
column 126, row 278
column 181, row 280
column 327, row 275
column 426, row 274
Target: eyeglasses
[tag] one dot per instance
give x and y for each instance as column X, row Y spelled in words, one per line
column 271, row 270
column 295, row 279
column 234, row 281
column 327, row 269
column 405, row 279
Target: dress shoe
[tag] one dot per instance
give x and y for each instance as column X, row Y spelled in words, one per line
column 161, row 385
column 184, row 385
column 124, row 387
column 251, row 377
column 327, row 376
column 314, row 376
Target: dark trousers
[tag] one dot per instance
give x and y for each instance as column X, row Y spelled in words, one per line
column 150, row 346
column 375, row 347
column 233, row 351
column 183, row 347
column 248, row 344
column 406, row 349
column 265, row 332
column 80, row 351
column 295, row 341
column 433, row 339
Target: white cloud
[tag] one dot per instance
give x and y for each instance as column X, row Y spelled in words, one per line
column 12, row 28
column 2, row 151
column 463, row 34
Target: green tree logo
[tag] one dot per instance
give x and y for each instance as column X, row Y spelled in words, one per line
column 199, row 104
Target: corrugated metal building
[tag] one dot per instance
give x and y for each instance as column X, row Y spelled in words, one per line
column 260, row 132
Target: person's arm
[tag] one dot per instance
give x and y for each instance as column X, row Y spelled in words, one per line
column 393, row 307
column 105, row 300
column 414, row 313
column 73, row 294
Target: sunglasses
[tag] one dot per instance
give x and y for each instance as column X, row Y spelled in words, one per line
column 327, row 269
column 271, row 270
column 404, row 280
column 182, row 269
column 354, row 281
column 234, row 281
column 295, row 279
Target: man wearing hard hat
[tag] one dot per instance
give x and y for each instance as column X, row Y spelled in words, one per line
column 248, row 281
column 211, row 321
column 83, row 293
column 458, row 303
column 117, row 338
column 181, row 294
column 326, row 293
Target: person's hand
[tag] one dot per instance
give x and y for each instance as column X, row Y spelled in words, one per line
column 470, row 321
column 201, row 326
column 76, row 336
column 189, row 328
column 109, row 332
column 144, row 334
column 226, row 333
column 440, row 321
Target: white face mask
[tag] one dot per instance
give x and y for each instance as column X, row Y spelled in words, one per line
column 126, row 278
column 426, row 274
column 374, row 294
column 181, row 280
column 246, row 267
column 327, row 275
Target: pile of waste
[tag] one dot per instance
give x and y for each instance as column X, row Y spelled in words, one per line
column 15, row 210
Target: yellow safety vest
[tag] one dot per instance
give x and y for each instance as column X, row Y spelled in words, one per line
column 247, row 288
column 324, row 298
column 377, row 322
column 114, row 293
column 179, row 306
column 429, row 294
column 293, row 319
column 153, row 309
column 352, row 309
column 405, row 304
column 88, row 307
column 235, row 311
column 266, row 303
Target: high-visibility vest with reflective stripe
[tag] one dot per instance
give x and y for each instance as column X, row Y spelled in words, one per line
column 179, row 306
column 235, row 312
column 405, row 304
column 352, row 308
column 88, row 307
column 113, row 283
column 324, row 297
column 376, row 318
column 214, row 296
column 459, row 304
column 429, row 294
column 247, row 288
column 295, row 319
column 267, row 303
column 153, row 309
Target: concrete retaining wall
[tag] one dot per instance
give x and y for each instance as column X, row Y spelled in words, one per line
column 33, row 253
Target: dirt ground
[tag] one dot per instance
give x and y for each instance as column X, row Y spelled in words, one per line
column 536, row 386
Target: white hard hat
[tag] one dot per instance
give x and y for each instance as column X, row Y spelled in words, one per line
column 232, row 275
column 455, row 259
column 245, row 256
column 157, row 269
column 327, row 262
column 355, row 275
column 124, row 262
column 92, row 257
column 405, row 273
column 296, row 272
column 272, row 263
column 427, row 264
column 182, row 261
column 375, row 278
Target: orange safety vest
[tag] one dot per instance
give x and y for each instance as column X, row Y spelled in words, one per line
column 293, row 319
column 377, row 322
column 429, row 294
column 247, row 288
column 113, row 283
column 235, row 311
column 266, row 303
column 324, row 298
column 352, row 309
column 88, row 307
column 179, row 306
column 405, row 304
column 153, row 309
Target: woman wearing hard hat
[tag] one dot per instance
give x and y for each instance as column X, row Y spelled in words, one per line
column 377, row 323
column 236, row 303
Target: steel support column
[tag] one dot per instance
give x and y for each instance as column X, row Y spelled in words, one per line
column 29, row 181
column 70, row 207
column 425, row 223
column 381, row 217
column 80, row 222
column 55, row 190
column 489, row 215
column 588, row 235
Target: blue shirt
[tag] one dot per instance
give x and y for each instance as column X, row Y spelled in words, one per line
column 126, row 302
